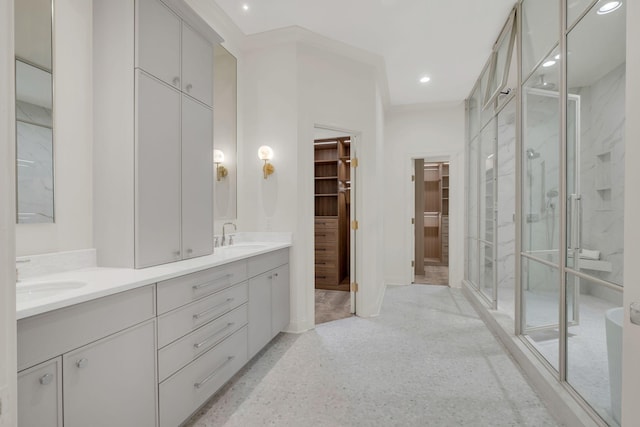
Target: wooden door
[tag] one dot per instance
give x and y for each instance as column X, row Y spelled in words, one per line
column 197, row 66
column 112, row 382
column 158, row 175
column 158, row 41
column 197, row 179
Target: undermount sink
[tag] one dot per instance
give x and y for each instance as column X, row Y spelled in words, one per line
column 26, row 292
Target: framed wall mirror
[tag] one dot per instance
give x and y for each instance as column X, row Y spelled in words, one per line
column 34, row 111
column 225, row 108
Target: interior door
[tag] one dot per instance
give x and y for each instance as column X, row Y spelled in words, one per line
column 353, row 217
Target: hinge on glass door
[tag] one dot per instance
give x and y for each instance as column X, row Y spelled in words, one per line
column 354, row 225
column 354, row 287
column 354, row 162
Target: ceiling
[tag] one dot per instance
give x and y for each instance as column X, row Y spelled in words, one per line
column 449, row 41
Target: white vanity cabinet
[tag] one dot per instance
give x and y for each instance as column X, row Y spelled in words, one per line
column 153, row 128
column 90, row 364
column 268, row 298
column 40, row 395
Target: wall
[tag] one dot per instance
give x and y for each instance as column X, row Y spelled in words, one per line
column 418, row 133
column 8, row 366
column 631, row 350
column 73, row 136
column 289, row 89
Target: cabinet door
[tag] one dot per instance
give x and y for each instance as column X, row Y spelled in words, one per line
column 112, row 382
column 259, row 312
column 197, row 65
column 280, row 300
column 158, row 175
column 40, row 395
column 158, row 41
column 197, row 179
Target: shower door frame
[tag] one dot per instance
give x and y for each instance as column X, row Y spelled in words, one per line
column 563, row 224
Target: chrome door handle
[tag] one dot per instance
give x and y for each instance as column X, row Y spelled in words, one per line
column 46, row 379
column 82, row 363
column 202, row 382
column 189, row 87
column 214, row 308
column 176, row 81
column 210, row 337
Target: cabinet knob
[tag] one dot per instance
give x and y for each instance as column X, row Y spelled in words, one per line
column 189, row 87
column 189, row 251
column 46, row 379
column 176, row 253
column 276, row 274
column 176, row 81
column 82, row 363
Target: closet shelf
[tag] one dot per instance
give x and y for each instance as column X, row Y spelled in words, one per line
column 326, row 177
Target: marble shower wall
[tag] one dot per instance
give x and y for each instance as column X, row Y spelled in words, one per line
column 505, row 262
column 602, row 169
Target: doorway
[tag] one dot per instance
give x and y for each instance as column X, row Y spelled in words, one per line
column 431, row 221
column 333, row 210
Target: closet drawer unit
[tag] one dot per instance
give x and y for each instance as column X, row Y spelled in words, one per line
column 327, row 277
column 177, row 323
column 187, row 390
column 326, row 236
column 326, row 252
column 326, row 266
column 326, row 224
column 261, row 263
column 178, row 354
column 48, row 335
column 182, row 290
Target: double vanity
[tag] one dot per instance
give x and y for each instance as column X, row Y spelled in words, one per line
column 124, row 347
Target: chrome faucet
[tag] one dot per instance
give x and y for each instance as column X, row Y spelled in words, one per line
column 224, row 237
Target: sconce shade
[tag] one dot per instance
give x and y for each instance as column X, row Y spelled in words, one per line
column 265, row 153
column 218, row 156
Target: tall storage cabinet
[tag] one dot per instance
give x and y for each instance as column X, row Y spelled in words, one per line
column 153, row 121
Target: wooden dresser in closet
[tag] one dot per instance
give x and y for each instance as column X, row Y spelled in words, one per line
column 332, row 200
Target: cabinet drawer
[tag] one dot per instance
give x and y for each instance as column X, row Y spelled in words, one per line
column 326, row 266
column 40, row 395
column 326, row 278
column 261, row 263
column 326, row 254
column 187, row 390
column 182, row 290
column 326, row 224
column 177, row 323
column 326, row 236
column 50, row 334
column 174, row 356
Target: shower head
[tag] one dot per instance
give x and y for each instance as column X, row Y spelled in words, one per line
column 552, row 194
column 544, row 84
column 532, row 154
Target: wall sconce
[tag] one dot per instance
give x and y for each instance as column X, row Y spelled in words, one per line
column 221, row 171
column 266, row 153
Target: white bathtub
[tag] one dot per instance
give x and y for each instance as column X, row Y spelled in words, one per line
column 614, row 321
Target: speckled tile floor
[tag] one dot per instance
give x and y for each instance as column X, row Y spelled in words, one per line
column 427, row 360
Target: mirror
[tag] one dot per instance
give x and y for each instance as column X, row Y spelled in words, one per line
column 225, row 104
column 34, row 111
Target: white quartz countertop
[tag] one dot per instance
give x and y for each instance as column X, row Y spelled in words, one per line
column 99, row 281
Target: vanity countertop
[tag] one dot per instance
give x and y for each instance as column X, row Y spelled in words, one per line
column 100, row 281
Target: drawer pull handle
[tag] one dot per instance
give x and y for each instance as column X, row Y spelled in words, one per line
column 321, row 234
column 214, row 308
column 202, row 382
column 46, row 379
column 211, row 283
column 321, row 249
column 321, row 263
column 210, row 337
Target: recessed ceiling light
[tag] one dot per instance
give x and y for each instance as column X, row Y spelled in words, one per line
column 245, row 7
column 549, row 63
column 425, row 79
column 609, row 7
